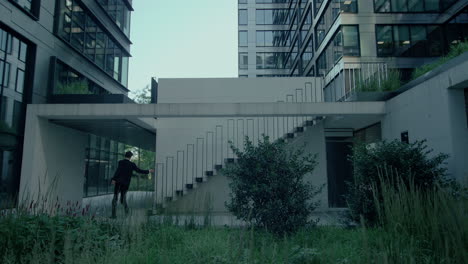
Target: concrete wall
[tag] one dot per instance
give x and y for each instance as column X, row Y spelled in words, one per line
column 434, row 109
column 53, row 162
column 177, row 137
column 211, row 196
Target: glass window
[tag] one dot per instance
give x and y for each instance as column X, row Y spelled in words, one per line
column 384, row 40
column 418, row 40
column 272, row 16
column 382, row 5
column 399, row 6
column 26, row 5
column 119, row 12
column 23, row 49
column 402, row 40
column 243, row 17
column 86, row 36
column 243, row 39
column 272, row 60
column 19, row 80
column 71, row 82
column 260, row 38
column 415, row 5
column 243, row 60
column 4, row 73
column 351, row 41
column 434, row 41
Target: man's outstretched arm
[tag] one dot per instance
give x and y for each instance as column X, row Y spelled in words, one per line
column 135, row 168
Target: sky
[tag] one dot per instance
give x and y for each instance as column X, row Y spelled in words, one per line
column 182, row 39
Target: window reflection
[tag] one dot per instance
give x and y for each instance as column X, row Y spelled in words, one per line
column 83, row 33
column 119, row 12
column 71, row 82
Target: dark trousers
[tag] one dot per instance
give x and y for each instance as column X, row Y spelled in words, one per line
column 122, row 189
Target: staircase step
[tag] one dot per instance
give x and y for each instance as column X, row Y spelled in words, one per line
column 209, row 173
column 199, row 179
column 179, row 192
column 218, row 167
column 290, row 135
column 189, row 186
column 299, row 129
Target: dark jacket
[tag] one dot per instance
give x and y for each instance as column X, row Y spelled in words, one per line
column 125, row 170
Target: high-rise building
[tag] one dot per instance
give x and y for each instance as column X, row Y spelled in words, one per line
column 345, row 41
column 60, row 51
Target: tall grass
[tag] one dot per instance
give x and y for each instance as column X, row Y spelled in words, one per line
column 415, row 227
column 455, row 51
column 391, row 82
column 421, row 226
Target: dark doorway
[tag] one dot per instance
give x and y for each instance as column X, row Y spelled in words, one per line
column 339, row 171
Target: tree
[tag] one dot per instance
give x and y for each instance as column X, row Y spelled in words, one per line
column 267, row 186
column 142, row 96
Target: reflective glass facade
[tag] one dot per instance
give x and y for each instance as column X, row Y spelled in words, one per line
column 345, row 42
column 13, row 70
column 82, row 32
column 102, row 157
column 31, row 7
column 119, row 12
column 418, row 40
column 412, row 6
column 316, row 34
column 272, row 60
column 69, row 81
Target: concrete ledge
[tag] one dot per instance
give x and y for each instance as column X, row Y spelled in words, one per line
column 122, row 111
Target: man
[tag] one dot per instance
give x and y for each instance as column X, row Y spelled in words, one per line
column 121, row 180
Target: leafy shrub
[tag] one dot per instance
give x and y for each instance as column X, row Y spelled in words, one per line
column 408, row 160
column 267, row 186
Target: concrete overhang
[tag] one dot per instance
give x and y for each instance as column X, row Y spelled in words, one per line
column 204, row 110
column 120, row 130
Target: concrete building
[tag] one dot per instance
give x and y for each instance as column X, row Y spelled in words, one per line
column 64, row 51
column 67, row 60
column 345, row 41
column 197, row 117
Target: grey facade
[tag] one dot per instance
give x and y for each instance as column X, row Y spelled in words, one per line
column 57, row 51
column 327, row 38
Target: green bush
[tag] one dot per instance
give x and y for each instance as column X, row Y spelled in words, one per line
column 267, row 187
column 407, row 160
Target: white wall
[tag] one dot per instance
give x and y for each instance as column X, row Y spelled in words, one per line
column 431, row 111
column 173, row 135
column 53, row 162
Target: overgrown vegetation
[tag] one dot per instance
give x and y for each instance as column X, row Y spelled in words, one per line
column 375, row 83
column 411, row 161
column 267, row 186
column 455, row 51
column 424, row 224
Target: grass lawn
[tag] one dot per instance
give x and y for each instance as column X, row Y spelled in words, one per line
column 68, row 239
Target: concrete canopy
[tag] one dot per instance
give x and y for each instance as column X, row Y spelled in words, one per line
column 120, row 130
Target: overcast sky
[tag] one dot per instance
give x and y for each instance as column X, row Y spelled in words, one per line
column 182, row 39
